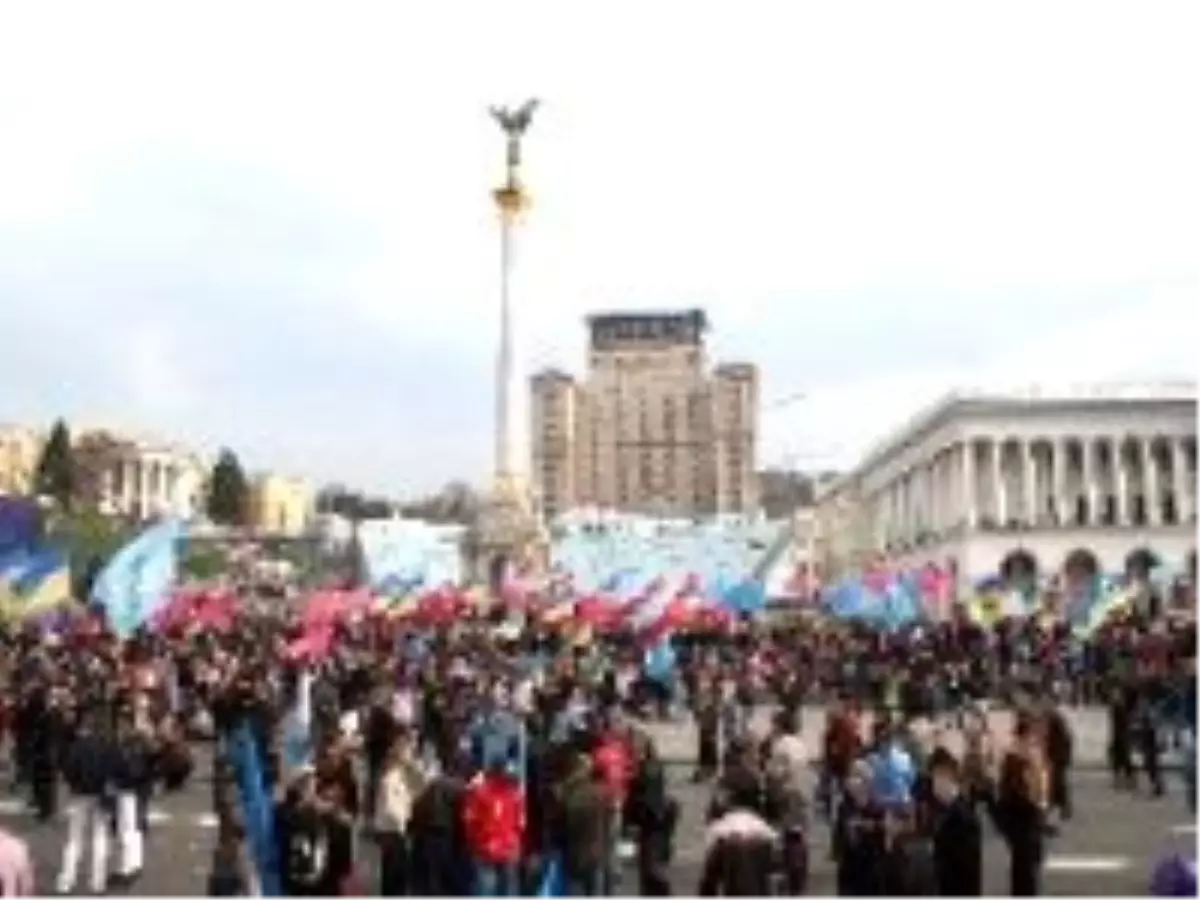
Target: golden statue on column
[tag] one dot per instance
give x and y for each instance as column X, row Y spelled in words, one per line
column 509, row 530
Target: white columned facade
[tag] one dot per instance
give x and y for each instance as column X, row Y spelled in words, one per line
column 960, row 476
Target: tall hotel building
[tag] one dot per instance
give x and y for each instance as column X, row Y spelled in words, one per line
column 649, row 428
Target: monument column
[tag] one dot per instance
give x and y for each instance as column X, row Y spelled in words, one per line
column 511, row 201
column 507, row 529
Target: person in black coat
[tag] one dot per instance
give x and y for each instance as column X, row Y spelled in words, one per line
column 132, row 776
column 908, row 865
column 1019, row 808
column 1059, row 754
column 858, row 839
column 742, row 849
column 708, row 728
column 88, row 767
column 654, row 813
column 44, row 725
column 436, row 831
column 957, row 834
column 579, row 827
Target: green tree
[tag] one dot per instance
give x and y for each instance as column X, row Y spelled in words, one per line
column 90, row 540
column 204, row 561
column 55, row 476
column 228, row 491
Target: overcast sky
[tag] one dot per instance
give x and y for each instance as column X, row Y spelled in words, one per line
column 267, row 225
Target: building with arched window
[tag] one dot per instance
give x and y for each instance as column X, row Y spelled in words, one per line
column 1103, row 476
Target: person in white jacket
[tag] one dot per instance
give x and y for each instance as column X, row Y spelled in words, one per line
column 399, row 785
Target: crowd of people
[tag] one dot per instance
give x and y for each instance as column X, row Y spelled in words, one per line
column 493, row 759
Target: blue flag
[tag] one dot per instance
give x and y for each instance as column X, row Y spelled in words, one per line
column 258, row 811
column 138, row 579
column 20, row 524
column 659, row 664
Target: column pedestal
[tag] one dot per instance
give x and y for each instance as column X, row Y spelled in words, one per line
column 508, row 528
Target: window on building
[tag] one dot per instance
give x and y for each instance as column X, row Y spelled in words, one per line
column 1170, row 512
column 1109, row 511
column 1138, row 509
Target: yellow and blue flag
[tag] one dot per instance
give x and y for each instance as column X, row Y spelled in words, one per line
column 33, row 582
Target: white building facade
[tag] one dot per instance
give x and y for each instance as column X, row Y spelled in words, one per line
column 978, row 478
column 150, row 479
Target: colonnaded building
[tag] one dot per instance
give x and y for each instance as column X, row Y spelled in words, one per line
column 988, row 483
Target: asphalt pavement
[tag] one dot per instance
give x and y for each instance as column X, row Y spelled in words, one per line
column 676, row 738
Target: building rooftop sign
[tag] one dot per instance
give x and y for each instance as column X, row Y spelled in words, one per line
column 611, row 329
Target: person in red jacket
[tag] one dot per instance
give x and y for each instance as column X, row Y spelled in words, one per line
column 494, row 827
column 613, row 762
column 612, row 759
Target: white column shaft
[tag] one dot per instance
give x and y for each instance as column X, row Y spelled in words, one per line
column 504, row 356
column 144, row 492
column 931, row 478
column 1121, row 478
column 1091, row 483
column 1184, row 502
column 1063, row 503
column 1151, row 492
column 968, row 484
column 1029, row 480
column 999, row 483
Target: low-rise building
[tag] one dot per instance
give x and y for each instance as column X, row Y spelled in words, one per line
column 20, row 450
column 280, row 505
column 140, row 478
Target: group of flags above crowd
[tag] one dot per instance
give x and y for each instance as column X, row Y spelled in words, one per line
column 35, row 575
column 895, row 598
column 650, row 576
